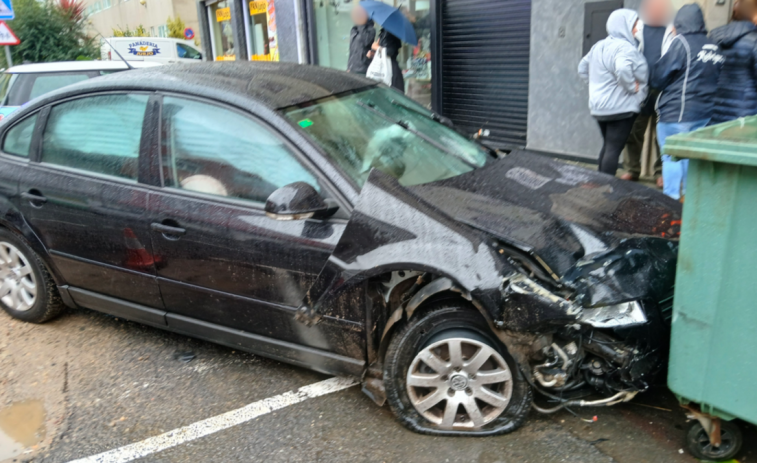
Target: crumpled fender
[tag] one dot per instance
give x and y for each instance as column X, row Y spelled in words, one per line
column 393, row 229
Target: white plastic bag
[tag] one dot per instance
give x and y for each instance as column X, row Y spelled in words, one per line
column 380, row 68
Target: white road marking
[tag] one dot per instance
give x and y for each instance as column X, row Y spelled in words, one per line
column 218, row 423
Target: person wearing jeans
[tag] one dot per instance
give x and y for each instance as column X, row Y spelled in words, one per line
column 617, row 75
column 687, row 74
column 674, row 172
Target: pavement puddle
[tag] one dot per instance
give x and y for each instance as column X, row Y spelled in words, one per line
column 22, row 425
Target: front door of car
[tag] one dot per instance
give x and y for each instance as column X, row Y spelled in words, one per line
column 82, row 198
column 223, row 260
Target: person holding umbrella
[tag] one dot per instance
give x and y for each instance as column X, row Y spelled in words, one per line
column 395, row 29
column 391, row 45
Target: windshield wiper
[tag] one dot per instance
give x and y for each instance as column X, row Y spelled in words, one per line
column 428, row 115
column 447, row 122
column 415, row 132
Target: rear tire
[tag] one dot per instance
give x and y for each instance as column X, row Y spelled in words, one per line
column 27, row 291
column 445, row 373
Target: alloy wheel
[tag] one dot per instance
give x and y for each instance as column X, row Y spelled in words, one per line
column 18, row 286
column 459, row 383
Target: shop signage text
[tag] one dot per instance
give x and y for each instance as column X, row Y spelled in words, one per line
column 223, row 14
column 258, row 7
column 144, row 48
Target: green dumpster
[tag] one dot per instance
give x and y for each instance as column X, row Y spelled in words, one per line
column 713, row 354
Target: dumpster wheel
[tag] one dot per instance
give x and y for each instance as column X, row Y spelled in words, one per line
column 698, row 442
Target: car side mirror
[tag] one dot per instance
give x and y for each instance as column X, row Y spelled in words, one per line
column 298, row 201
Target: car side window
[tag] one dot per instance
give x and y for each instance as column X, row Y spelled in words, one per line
column 18, row 140
column 99, row 134
column 214, row 150
column 184, row 51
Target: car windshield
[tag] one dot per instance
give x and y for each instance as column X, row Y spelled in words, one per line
column 380, row 128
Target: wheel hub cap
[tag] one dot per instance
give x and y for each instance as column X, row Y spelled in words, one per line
column 18, row 286
column 459, row 383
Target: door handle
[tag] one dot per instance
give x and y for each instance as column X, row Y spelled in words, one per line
column 167, row 229
column 34, row 197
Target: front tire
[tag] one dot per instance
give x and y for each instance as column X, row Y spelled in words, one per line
column 27, row 291
column 446, row 374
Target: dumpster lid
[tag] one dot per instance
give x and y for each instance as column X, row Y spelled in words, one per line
column 733, row 142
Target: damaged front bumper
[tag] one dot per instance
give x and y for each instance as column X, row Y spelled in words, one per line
column 530, row 304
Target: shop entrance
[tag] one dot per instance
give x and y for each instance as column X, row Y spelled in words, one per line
column 484, row 47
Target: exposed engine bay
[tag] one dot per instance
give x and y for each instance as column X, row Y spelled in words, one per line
column 615, row 350
column 582, row 361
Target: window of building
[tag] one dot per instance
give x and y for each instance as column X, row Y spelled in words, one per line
column 163, row 31
column 219, row 18
column 333, row 25
column 106, row 4
column 98, row 134
column 152, row 31
column 18, row 140
column 214, row 150
column 261, row 30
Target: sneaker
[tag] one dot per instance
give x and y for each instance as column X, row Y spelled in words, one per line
column 630, row 177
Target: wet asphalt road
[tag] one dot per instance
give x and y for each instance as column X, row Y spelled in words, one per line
column 105, row 383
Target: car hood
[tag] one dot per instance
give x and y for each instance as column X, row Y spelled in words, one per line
column 595, row 239
column 559, row 213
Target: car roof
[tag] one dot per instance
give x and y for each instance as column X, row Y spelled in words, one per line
column 274, row 85
column 69, row 66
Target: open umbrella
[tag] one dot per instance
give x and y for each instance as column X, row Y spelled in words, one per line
column 391, row 19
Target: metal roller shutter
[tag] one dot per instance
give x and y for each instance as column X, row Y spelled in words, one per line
column 485, row 46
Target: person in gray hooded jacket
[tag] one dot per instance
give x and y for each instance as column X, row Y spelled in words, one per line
column 617, row 75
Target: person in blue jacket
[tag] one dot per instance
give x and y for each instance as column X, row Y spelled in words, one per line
column 737, row 87
column 687, row 75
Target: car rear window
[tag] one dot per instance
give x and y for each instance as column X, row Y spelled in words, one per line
column 29, row 86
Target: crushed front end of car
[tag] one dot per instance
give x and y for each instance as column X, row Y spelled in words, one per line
column 573, row 271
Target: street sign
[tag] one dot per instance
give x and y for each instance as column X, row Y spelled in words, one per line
column 7, row 37
column 189, row 34
column 6, row 10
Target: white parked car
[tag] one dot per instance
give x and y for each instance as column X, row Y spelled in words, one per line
column 23, row 83
column 156, row 49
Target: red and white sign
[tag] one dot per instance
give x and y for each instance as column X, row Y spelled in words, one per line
column 7, row 37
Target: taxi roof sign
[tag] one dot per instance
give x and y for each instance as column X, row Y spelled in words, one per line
column 7, row 37
column 6, row 10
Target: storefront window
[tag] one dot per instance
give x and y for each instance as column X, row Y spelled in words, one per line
column 261, row 31
column 333, row 24
column 219, row 17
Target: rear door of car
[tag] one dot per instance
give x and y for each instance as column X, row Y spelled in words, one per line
column 82, row 197
column 223, row 261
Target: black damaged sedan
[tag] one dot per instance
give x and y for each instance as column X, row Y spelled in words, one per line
column 320, row 219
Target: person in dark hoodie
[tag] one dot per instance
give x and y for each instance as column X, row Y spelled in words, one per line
column 362, row 36
column 687, row 75
column 737, row 87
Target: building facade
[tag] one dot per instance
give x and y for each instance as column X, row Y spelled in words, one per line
column 505, row 69
column 106, row 15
